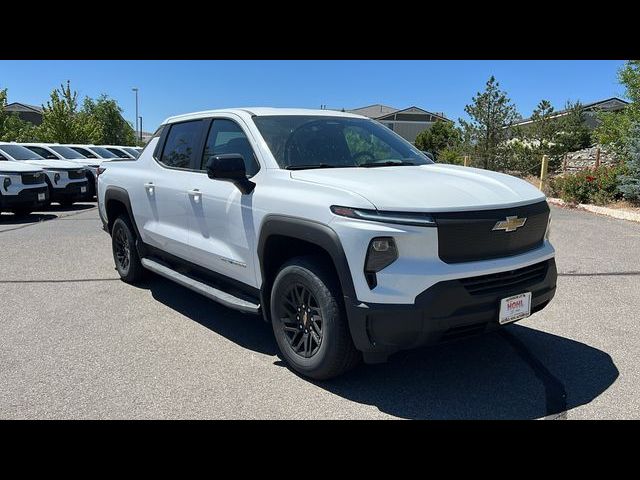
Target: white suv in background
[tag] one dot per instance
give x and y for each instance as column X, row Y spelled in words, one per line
column 23, row 188
column 344, row 236
column 53, row 151
column 67, row 181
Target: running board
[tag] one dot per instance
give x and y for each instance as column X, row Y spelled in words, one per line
column 208, row 291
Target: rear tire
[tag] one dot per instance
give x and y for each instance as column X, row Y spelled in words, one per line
column 309, row 320
column 125, row 254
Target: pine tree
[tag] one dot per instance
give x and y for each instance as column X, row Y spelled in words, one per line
column 491, row 113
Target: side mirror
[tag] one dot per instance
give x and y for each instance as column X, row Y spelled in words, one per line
column 230, row 168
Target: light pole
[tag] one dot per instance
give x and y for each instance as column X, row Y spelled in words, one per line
column 135, row 89
column 140, row 128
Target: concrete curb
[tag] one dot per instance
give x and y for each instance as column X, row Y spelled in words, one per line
column 609, row 212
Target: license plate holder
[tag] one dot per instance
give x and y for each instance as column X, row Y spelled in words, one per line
column 515, row 307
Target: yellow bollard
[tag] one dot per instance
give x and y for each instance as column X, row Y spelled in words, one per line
column 543, row 170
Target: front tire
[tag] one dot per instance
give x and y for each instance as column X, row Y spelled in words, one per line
column 309, row 321
column 125, row 254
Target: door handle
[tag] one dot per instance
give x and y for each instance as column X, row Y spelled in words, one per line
column 149, row 187
column 195, row 194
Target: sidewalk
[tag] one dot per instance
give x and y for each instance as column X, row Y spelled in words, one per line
column 621, row 213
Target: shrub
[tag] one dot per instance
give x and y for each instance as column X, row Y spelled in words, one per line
column 451, row 155
column 598, row 186
column 630, row 180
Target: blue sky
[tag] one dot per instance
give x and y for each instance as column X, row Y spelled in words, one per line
column 172, row 87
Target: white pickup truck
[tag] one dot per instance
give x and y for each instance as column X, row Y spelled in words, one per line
column 346, row 238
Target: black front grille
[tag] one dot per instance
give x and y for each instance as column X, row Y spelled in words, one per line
column 76, row 174
column 32, row 178
column 469, row 236
column 506, row 281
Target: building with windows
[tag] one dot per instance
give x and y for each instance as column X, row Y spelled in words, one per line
column 406, row 122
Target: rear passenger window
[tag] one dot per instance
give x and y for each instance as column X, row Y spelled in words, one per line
column 182, row 140
column 226, row 136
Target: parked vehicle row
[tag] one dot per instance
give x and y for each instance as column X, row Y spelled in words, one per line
column 33, row 175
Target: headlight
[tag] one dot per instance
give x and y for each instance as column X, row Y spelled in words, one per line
column 400, row 218
column 56, row 178
column 381, row 253
column 7, row 183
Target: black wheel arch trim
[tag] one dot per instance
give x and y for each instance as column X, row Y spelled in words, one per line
column 121, row 195
column 310, row 231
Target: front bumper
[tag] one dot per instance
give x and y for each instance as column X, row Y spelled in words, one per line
column 27, row 198
column 72, row 192
column 446, row 311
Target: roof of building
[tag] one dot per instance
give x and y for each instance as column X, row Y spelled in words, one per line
column 374, row 111
column 22, row 107
column 612, row 103
column 381, row 112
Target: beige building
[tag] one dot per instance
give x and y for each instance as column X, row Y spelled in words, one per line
column 406, row 122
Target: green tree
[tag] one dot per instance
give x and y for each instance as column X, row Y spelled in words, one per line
column 437, row 138
column 543, row 128
column 12, row 127
column 630, row 182
column 112, row 128
column 572, row 133
column 616, row 128
column 63, row 122
column 491, row 113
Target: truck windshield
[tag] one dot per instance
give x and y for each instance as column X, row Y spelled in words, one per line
column 103, row 152
column 20, row 153
column 66, row 152
column 308, row 141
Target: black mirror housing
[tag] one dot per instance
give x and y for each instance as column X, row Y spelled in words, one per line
column 230, row 168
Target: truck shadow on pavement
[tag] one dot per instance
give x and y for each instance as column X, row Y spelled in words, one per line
column 11, row 219
column 515, row 373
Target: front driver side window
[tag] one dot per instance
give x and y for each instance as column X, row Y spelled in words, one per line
column 226, row 136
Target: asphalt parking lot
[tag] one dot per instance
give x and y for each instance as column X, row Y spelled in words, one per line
column 77, row 343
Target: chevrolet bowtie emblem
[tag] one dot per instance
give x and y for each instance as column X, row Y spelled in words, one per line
column 510, row 224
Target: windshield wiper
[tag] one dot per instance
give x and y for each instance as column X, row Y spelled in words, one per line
column 316, row 165
column 389, row 163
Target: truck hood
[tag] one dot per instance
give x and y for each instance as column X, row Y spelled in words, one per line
column 57, row 164
column 428, row 188
column 17, row 167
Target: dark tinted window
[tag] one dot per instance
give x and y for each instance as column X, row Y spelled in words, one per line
column 66, row 152
column 181, row 142
column 103, row 152
column 44, row 153
column 307, row 141
column 118, row 153
column 226, row 136
column 19, row 152
column 132, row 151
column 85, row 152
